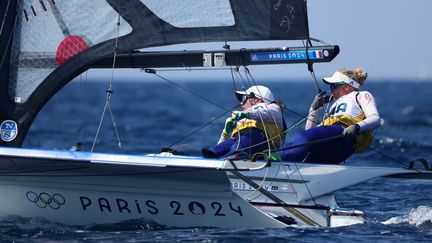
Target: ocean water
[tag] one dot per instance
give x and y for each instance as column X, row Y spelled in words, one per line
column 150, row 115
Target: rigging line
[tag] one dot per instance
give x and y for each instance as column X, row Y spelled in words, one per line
column 296, row 213
column 304, row 182
column 319, row 41
column 83, row 82
column 240, row 79
column 62, row 119
column 249, row 76
column 256, row 190
column 368, row 147
column 269, row 151
column 191, row 92
column 9, row 40
column 249, row 82
column 392, row 158
column 246, row 80
column 306, row 117
column 310, row 65
column 100, row 125
column 109, row 92
column 288, row 129
column 264, row 179
column 115, row 51
column 4, row 17
column 310, row 142
column 233, row 78
column 115, row 126
column 201, row 127
column 305, row 144
column 262, row 120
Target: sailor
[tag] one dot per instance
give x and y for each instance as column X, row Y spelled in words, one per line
column 346, row 128
column 258, row 127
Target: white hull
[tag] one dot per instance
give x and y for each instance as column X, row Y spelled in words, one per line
column 79, row 193
column 74, row 189
column 73, row 205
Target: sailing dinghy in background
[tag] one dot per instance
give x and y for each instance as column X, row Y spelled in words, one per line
column 47, row 43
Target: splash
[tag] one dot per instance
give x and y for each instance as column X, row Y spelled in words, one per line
column 420, row 216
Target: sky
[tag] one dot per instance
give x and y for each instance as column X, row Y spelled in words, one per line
column 390, row 39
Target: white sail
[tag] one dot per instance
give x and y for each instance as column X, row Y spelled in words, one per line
column 50, row 32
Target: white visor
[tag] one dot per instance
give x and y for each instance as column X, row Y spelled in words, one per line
column 340, row 78
column 258, row 91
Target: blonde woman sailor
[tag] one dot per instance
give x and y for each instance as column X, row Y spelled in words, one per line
column 259, row 126
column 351, row 119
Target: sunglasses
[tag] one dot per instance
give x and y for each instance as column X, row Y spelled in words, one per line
column 244, row 99
column 334, row 86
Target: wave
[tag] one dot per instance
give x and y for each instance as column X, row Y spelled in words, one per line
column 418, row 217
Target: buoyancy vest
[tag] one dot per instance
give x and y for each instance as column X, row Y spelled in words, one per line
column 347, row 111
column 273, row 132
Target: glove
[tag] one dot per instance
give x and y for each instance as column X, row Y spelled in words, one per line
column 238, row 115
column 230, row 124
column 320, row 100
column 274, row 156
column 351, row 130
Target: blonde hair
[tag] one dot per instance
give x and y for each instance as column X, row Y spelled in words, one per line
column 358, row 74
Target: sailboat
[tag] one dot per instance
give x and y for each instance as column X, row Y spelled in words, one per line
column 47, row 43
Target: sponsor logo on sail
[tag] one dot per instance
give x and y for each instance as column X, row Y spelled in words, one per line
column 8, row 130
column 44, row 200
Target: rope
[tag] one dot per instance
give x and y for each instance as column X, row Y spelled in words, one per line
column 200, row 128
column 9, row 40
column 251, row 80
column 306, row 186
column 310, row 64
column 152, row 71
column 4, row 17
column 100, row 125
column 109, row 94
column 82, row 83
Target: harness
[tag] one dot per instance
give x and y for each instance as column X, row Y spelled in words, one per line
column 363, row 140
column 272, row 131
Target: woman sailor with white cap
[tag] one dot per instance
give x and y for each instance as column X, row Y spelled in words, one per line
column 254, row 129
column 348, row 125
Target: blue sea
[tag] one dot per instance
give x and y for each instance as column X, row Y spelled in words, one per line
column 152, row 114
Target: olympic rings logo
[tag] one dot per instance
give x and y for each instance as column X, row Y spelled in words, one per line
column 44, row 199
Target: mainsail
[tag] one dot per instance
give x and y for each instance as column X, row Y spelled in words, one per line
column 46, row 43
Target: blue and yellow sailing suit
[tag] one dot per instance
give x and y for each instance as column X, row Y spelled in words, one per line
column 353, row 108
column 262, row 128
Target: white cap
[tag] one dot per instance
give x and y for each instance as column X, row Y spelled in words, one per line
column 340, row 78
column 257, row 91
